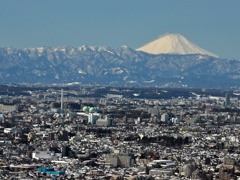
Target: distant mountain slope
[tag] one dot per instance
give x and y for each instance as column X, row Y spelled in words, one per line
column 120, row 66
column 173, row 44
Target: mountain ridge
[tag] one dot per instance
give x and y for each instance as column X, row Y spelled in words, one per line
column 115, row 66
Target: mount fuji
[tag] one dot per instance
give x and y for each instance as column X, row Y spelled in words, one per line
column 170, row 61
column 173, row 44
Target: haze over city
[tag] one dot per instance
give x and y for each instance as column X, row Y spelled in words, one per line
column 212, row 25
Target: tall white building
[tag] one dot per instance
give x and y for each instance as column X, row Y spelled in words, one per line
column 164, row 117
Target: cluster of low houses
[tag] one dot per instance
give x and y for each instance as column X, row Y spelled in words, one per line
column 118, row 138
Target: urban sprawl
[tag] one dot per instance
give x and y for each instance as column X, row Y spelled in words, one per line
column 69, row 133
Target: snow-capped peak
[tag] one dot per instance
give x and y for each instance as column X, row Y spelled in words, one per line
column 173, row 44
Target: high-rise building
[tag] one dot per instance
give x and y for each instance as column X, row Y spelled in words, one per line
column 164, row 117
column 227, row 99
column 51, row 136
column 62, row 113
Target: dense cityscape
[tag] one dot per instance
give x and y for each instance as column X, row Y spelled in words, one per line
column 119, row 90
column 98, row 132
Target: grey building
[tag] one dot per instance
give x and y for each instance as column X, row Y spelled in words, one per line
column 120, row 160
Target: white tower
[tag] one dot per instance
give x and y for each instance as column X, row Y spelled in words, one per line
column 62, row 106
column 61, row 100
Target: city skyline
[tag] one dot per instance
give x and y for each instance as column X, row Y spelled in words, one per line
column 211, row 25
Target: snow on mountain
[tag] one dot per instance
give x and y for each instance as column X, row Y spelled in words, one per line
column 173, row 44
column 118, row 66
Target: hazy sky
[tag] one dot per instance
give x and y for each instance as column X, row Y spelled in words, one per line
column 213, row 25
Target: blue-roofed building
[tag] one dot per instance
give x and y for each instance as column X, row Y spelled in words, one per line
column 50, row 171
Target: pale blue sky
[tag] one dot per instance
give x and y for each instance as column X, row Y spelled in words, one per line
column 213, row 25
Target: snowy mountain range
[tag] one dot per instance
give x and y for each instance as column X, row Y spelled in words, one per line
column 190, row 66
